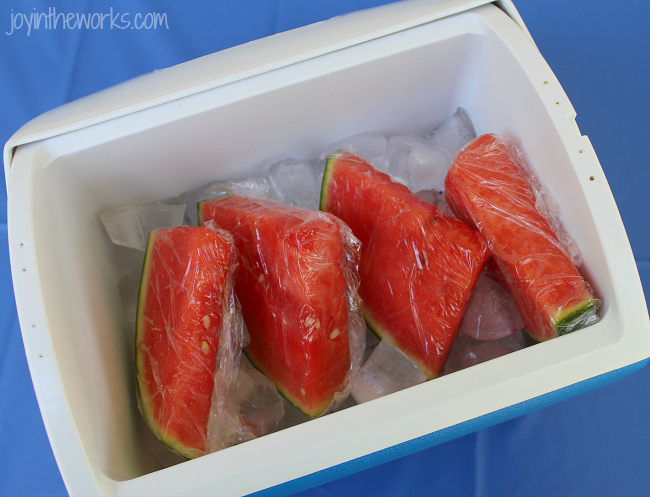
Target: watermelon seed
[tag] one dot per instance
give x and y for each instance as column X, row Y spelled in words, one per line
column 261, row 278
column 206, row 347
column 302, row 391
column 317, row 325
column 309, row 321
column 581, row 151
column 545, row 82
column 591, row 178
column 206, row 322
column 335, row 333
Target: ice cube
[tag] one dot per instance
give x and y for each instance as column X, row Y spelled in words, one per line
column 371, row 344
column 386, row 371
column 417, row 163
column 130, row 226
column 469, row 352
column 260, row 405
column 253, row 187
column 435, row 197
column 453, row 133
column 294, row 183
column 492, row 312
column 370, row 146
column 252, row 408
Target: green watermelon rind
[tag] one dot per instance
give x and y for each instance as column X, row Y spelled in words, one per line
column 572, row 319
column 327, row 177
column 172, row 444
column 200, row 204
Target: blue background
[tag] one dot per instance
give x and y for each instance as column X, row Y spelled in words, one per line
column 595, row 444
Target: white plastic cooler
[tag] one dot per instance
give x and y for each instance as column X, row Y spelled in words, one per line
column 397, row 69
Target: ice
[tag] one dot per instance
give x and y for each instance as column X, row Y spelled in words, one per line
column 130, row 226
column 469, row 352
column 492, row 313
column 252, row 408
column 386, row 371
column 294, row 183
column 453, row 133
column 435, row 197
column 371, row 147
column 416, row 162
column 371, row 344
column 260, row 405
column 253, row 187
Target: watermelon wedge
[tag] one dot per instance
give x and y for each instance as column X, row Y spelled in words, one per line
column 418, row 265
column 177, row 332
column 292, row 287
column 486, row 188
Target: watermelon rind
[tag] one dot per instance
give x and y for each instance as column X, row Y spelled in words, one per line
column 199, row 205
column 572, row 319
column 327, row 176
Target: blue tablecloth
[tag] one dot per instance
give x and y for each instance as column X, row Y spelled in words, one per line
column 591, row 445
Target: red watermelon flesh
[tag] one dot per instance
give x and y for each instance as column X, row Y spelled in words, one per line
column 177, row 332
column 292, row 288
column 486, row 188
column 419, row 265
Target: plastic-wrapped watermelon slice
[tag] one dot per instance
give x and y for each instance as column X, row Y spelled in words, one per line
column 297, row 284
column 487, row 188
column 419, row 265
column 185, row 304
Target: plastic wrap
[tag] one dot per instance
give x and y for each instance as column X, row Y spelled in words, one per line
column 419, row 265
column 489, row 187
column 297, row 285
column 189, row 339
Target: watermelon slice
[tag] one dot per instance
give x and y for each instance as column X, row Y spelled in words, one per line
column 486, row 188
column 292, row 287
column 177, row 332
column 418, row 266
